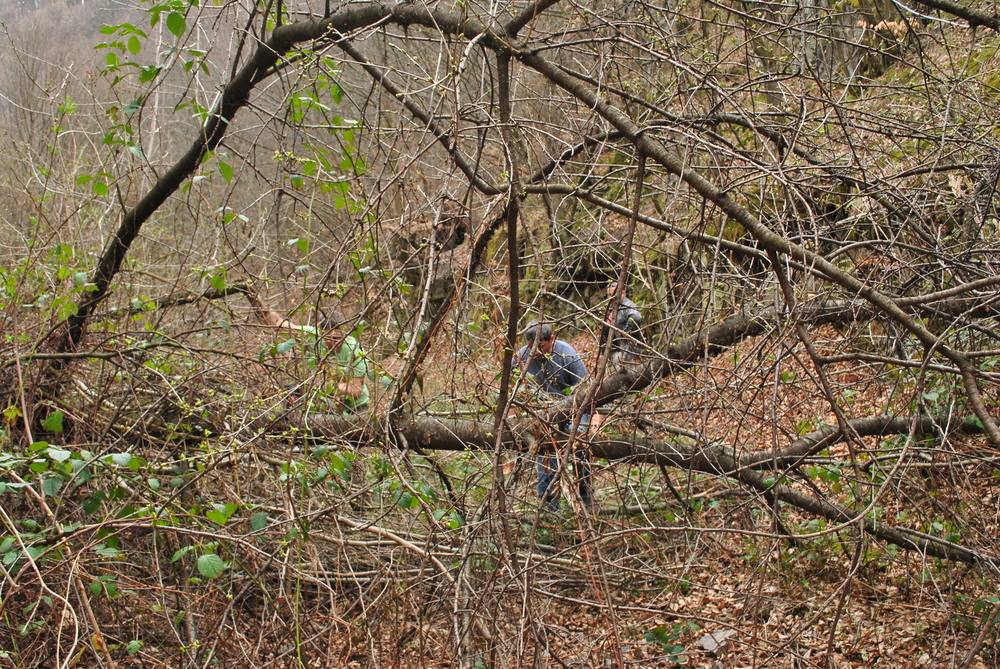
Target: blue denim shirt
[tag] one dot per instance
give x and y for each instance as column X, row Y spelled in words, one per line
column 557, row 372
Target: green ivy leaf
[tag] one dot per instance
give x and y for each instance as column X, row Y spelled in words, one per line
column 54, row 423
column 176, row 24
column 408, row 501
column 93, row 504
column 51, row 485
column 258, row 521
column 59, row 455
column 148, row 73
column 121, row 459
column 216, row 517
column 211, row 565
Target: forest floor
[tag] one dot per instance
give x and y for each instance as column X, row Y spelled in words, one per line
column 349, row 571
column 649, row 579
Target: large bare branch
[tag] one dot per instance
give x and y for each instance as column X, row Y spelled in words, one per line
column 235, row 96
column 975, row 17
column 460, row 435
column 763, row 234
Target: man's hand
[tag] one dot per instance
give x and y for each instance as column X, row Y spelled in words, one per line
column 352, row 388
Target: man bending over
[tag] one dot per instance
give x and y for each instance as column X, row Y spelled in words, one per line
column 555, row 368
column 336, row 356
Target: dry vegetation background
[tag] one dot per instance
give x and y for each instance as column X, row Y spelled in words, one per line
column 165, row 502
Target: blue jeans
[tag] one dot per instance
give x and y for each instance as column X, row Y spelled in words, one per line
column 548, row 466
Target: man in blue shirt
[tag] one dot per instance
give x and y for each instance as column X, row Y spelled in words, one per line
column 555, row 368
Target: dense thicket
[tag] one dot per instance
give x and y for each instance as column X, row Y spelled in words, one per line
column 800, row 198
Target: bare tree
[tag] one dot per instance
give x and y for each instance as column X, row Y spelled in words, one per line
column 799, row 197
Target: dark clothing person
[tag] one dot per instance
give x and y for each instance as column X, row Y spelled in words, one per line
column 626, row 333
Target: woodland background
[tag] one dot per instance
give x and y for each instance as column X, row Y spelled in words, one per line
column 801, row 196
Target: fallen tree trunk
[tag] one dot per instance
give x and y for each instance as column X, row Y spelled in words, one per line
column 437, row 434
column 450, row 434
column 750, row 469
column 698, row 347
column 711, row 342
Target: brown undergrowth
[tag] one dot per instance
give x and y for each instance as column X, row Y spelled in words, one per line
column 185, row 528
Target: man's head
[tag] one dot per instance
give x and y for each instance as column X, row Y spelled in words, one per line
column 332, row 319
column 332, row 324
column 543, row 333
column 612, row 287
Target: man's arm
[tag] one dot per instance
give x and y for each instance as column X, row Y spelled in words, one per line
column 633, row 326
column 519, row 357
column 629, row 323
column 574, row 367
column 271, row 317
column 352, row 388
column 579, row 370
column 274, row 319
